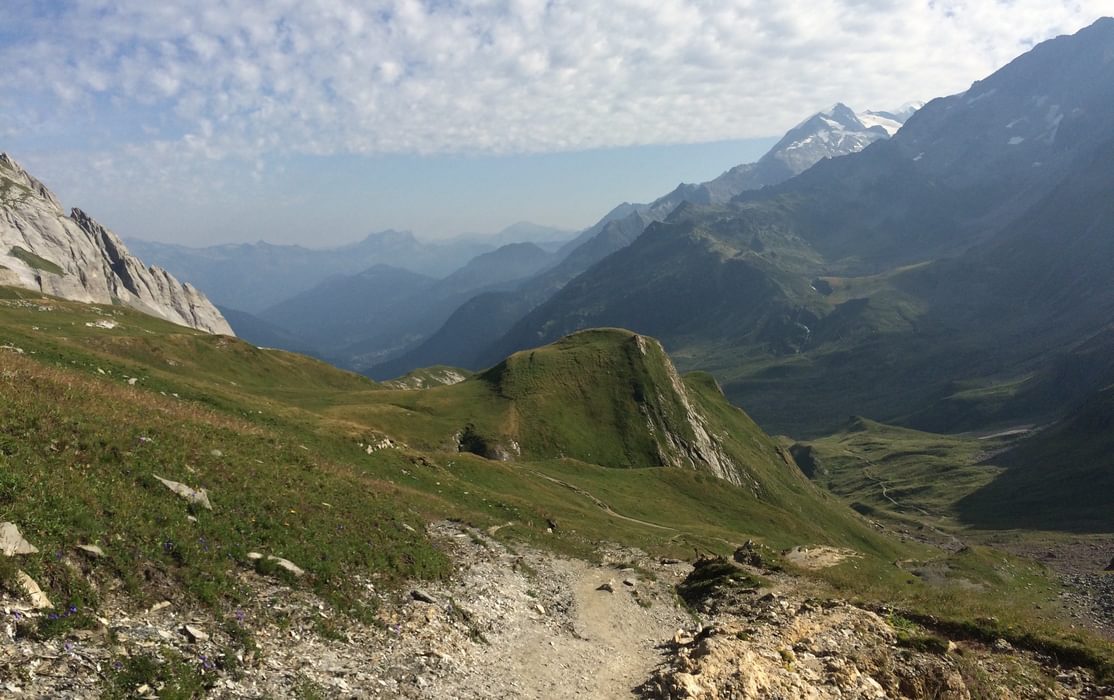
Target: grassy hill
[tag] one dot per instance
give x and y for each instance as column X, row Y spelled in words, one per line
column 904, row 475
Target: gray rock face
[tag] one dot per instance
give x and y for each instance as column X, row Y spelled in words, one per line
column 76, row 258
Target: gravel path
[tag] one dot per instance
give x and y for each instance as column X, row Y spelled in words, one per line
column 554, row 633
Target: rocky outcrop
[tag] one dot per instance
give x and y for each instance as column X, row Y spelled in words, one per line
column 691, row 444
column 76, row 258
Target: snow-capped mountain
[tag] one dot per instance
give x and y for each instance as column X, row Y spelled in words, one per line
column 836, row 131
column 892, row 119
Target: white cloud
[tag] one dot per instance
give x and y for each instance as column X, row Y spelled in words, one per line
column 247, row 80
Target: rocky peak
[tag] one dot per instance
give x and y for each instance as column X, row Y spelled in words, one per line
column 76, row 258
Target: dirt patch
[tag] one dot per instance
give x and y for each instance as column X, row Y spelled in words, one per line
column 818, row 557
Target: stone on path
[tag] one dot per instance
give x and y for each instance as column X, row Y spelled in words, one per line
column 194, row 634
column 685, row 685
column 420, row 595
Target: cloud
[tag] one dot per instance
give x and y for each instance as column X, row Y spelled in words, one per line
column 212, row 80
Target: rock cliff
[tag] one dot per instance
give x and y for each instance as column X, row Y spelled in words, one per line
column 76, row 258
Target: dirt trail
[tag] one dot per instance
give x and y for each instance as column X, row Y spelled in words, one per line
column 550, row 631
column 620, row 634
column 601, row 505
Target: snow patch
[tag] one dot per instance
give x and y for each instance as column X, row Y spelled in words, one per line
column 1053, row 117
column 870, row 119
column 1016, row 140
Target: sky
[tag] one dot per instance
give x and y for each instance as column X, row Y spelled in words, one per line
column 319, row 121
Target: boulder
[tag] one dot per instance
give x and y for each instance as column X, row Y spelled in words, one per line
column 685, row 685
column 287, row 565
column 194, row 634
column 284, row 564
column 421, row 596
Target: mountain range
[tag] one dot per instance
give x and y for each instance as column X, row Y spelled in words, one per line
column 252, row 277
column 465, row 338
column 354, row 320
column 940, row 278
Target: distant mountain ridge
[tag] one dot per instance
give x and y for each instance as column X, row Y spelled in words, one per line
column 77, row 258
column 255, row 276
column 355, row 320
column 466, row 338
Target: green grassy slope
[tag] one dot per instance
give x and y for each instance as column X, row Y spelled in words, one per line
column 281, row 443
column 288, row 421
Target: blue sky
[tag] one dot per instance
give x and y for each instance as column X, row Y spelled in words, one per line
column 317, row 121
